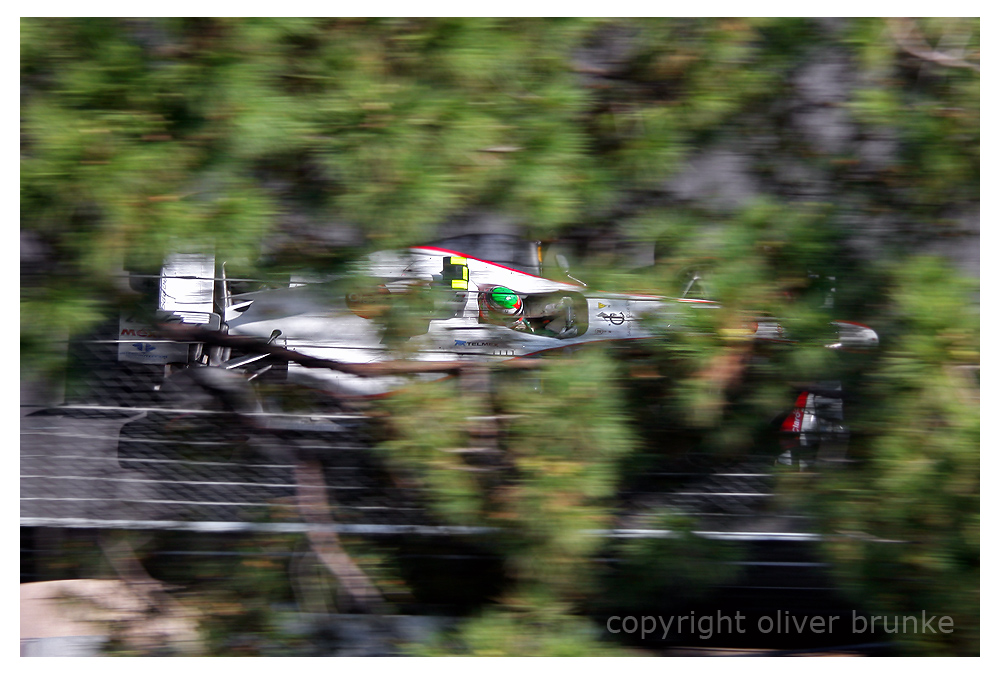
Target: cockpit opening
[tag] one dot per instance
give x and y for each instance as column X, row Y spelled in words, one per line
column 559, row 314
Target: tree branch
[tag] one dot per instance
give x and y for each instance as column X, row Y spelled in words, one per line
column 911, row 41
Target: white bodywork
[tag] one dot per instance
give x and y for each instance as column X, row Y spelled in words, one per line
column 337, row 321
column 315, row 320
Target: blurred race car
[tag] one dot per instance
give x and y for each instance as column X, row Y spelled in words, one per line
column 417, row 313
column 428, row 304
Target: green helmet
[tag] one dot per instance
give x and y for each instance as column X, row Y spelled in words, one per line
column 504, row 301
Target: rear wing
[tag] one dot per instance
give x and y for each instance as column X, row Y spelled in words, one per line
column 186, row 295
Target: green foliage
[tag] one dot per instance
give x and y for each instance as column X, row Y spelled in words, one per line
column 561, row 446
column 934, row 111
column 503, row 632
column 237, row 612
column 664, row 573
column 47, row 318
column 566, row 438
column 766, row 263
column 905, row 524
column 426, row 435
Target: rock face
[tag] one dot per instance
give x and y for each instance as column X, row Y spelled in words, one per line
column 821, row 87
column 719, row 178
column 77, row 617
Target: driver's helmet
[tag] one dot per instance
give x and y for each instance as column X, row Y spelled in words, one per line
column 501, row 301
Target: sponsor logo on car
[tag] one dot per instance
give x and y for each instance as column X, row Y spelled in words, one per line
column 614, row 318
column 474, row 343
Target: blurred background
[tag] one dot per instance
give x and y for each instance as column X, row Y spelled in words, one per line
column 808, row 169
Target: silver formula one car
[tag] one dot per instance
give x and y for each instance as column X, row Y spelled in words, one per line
column 436, row 304
column 417, row 313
